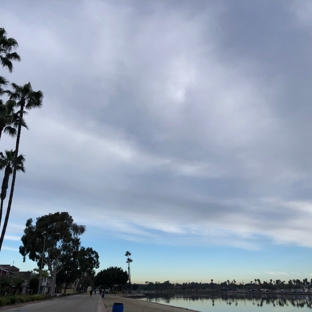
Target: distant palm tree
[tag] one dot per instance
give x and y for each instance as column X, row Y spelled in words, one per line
column 128, row 254
column 7, row 163
column 25, row 98
column 6, row 47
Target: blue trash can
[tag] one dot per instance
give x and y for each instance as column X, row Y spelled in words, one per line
column 118, row 307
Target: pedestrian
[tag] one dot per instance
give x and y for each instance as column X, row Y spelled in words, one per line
column 90, row 292
column 95, row 291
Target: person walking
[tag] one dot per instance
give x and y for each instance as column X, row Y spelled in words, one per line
column 90, row 292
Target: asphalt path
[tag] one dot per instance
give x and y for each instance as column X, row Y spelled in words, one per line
column 75, row 303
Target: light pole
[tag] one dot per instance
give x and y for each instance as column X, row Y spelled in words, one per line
column 42, row 254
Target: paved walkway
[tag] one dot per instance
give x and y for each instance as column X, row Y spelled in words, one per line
column 75, row 303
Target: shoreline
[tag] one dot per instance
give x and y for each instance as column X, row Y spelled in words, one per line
column 134, row 305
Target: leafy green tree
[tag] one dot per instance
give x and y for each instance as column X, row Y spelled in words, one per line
column 84, row 282
column 34, row 283
column 88, row 260
column 5, row 285
column 135, row 287
column 111, row 276
column 17, row 283
column 82, row 262
column 7, row 163
column 68, row 274
column 25, row 98
column 52, row 240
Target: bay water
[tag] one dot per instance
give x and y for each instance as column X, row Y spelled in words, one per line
column 233, row 302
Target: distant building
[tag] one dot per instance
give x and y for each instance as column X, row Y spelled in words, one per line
column 8, row 270
column 13, row 273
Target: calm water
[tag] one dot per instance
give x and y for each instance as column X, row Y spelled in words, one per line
column 241, row 302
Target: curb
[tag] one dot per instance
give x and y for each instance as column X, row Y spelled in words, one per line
column 101, row 307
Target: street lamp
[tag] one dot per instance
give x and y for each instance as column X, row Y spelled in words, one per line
column 43, row 251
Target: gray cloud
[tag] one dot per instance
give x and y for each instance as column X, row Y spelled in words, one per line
column 179, row 120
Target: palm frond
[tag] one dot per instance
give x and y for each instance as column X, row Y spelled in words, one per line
column 2, row 32
column 5, row 62
column 3, row 81
column 11, row 131
column 11, row 43
column 13, row 56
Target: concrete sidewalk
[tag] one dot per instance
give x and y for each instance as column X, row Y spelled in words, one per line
column 74, row 303
column 101, row 307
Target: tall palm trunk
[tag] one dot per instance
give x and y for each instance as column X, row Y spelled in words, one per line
column 5, row 224
column 4, row 188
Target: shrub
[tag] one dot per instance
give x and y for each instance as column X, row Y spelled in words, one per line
column 2, row 302
column 20, row 299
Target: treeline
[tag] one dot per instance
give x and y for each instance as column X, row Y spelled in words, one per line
column 257, row 284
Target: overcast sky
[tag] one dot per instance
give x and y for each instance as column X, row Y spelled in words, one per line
column 179, row 130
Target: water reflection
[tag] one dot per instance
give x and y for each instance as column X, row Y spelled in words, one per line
column 257, row 300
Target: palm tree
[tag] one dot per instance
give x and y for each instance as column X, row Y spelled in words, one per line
column 7, row 162
column 6, row 57
column 3, row 82
column 25, row 98
column 6, row 47
column 6, row 54
column 128, row 254
column 9, row 119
